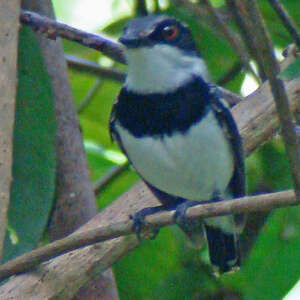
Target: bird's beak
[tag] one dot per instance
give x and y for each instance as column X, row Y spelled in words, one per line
column 129, row 42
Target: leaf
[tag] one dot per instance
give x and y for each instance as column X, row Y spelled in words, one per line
column 280, row 36
column 291, row 71
column 139, row 273
column 115, row 28
column 272, row 267
column 34, row 160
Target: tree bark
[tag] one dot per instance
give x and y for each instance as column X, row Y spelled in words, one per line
column 9, row 24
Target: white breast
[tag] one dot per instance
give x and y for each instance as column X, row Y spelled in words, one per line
column 161, row 69
column 192, row 166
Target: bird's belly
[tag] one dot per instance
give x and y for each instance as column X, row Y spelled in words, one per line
column 193, row 165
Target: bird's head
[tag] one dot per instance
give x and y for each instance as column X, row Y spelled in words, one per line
column 161, row 30
column 161, row 54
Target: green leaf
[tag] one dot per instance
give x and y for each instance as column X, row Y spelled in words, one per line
column 272, row 267
column 292, row 71
column 34, row 159
column 142, row 270
column 280, row 36
column 115, row 28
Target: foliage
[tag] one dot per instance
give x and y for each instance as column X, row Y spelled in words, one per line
column 34, row 160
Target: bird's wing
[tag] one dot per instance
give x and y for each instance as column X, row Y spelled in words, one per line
column 112, row 121
column 237, row 185
column 114, row 135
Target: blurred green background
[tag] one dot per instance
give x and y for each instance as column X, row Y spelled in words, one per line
column 166, row 268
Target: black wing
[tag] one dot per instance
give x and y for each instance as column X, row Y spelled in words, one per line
column 112, row 121
column 237, row 183
column 225, row 118
column 114, row 135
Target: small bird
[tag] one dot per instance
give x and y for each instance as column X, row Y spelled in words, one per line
column 178, row 132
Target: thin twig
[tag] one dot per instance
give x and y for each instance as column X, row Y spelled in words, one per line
column 52, row 29
column 230, row 74
column 271, row 68
column 286, row 20
column 231, row 37
column 297, row 129
column 89, row 96
column 141, row 8
column 156, row 8
column 101, row 183
column 82, row 239
column 240, row 15
column 230, row 97
column 85, row 65
column 199, row 12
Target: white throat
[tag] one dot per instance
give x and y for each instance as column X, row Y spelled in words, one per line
column 161, row 69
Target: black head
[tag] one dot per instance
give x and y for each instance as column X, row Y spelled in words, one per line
column 152, row 30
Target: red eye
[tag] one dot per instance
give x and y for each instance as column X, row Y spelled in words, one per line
column 170, row 32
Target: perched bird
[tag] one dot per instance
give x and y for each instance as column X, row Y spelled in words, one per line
column 178, row 132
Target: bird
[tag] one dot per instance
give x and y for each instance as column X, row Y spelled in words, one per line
column 178, row 133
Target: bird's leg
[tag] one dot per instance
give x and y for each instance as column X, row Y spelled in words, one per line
column 180, row 213
column 139, row 219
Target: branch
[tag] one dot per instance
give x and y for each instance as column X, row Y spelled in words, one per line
column 51, row 29
column 236, row 44
column 271, row 68
column 8, row 51
column 200, row 12
column 78, row 240
column 85, row 65
column 141, row 7
column 230, row 97
column 240, row 15
column 230, row 74
column 101, row 183
column 156, row 8
column 89, row 96
column 286, row 20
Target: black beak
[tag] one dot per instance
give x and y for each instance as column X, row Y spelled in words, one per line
column 130, row 42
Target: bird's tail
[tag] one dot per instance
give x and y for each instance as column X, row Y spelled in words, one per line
column 193, row 230
column 223, row 249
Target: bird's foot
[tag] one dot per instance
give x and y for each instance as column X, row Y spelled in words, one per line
column 180, row 213
column 139, row 222
column 215, row 198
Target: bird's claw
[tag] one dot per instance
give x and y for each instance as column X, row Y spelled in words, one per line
column 180, row 213
column 139, row 223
